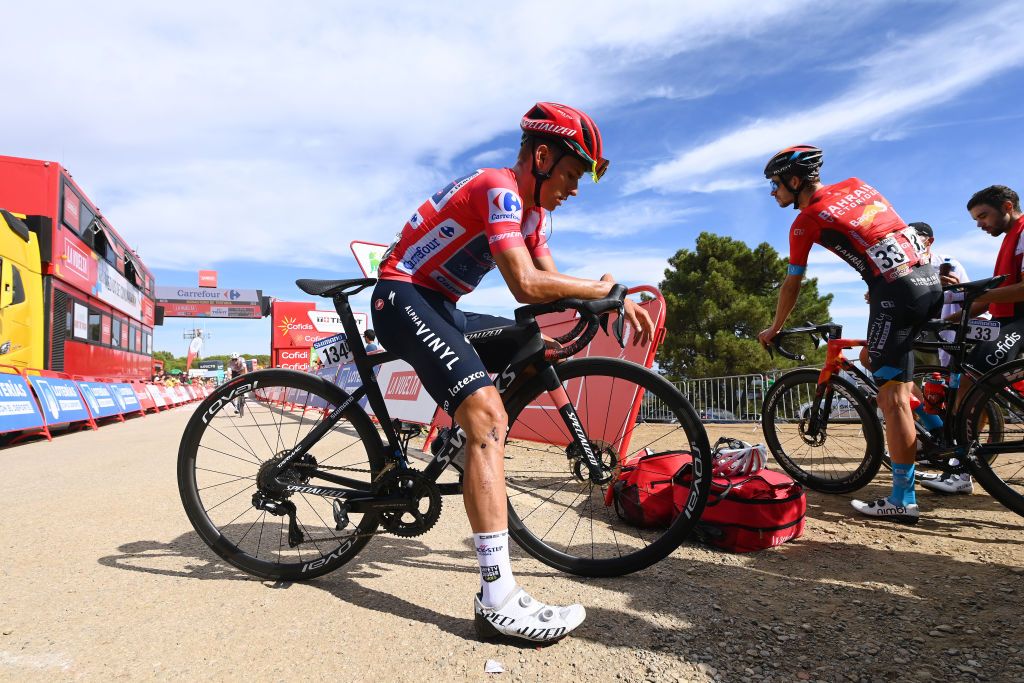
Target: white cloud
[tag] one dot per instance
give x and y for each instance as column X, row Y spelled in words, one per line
column 915, row 74
column 277, row 133
column 627, row 218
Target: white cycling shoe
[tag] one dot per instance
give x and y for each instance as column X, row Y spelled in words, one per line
column 884, row 509
column 949, row 483
column 520, row 616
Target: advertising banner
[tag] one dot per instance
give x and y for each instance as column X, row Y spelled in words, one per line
column 206, row 295
column 100, row 399
column 296, row 326
column 116, row 291
column 156, row 395
column 125, row 397
column 207, row 278
column 201, row 310
column 59, row 399
column 18, row 409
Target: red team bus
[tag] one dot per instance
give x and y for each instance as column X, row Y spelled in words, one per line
column 94, row 314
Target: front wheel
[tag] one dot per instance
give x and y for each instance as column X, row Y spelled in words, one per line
column 225, row 456
column 831, row 442
column 998, row 461
column 555, row 512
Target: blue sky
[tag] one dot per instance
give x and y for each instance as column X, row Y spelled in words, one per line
column 259, row 138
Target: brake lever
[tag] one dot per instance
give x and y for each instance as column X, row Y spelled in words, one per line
column 603, row 320
column 619, row 324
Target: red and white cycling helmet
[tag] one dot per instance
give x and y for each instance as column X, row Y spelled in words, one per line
column 733, row 457
column 572, row 127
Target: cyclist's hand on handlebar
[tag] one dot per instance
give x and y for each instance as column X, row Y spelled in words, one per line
column 767, row 336
column 641, row 322
column 948, row 280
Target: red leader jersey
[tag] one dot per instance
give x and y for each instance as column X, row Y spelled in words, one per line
column 854, row 221
column 449, row 243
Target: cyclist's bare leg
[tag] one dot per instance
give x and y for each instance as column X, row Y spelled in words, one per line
column 900, row 434
column 483, row 419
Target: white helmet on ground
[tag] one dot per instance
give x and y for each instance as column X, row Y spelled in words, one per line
column 734, row 457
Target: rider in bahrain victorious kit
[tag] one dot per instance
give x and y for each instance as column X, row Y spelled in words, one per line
column 854, row 221
column 490, row 217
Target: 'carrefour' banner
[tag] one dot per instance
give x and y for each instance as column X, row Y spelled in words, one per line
column 60, row 399
column 125, row 396
column 101, row 401
column 18, row 409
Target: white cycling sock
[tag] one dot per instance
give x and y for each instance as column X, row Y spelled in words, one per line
column 496, row 580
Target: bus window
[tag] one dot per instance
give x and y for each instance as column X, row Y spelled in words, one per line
column 19, row 287
column 94, row 327
column 115, row 332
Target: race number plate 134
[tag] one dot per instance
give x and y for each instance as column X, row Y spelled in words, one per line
column 333, row 350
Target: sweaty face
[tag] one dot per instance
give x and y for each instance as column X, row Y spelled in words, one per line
column 990, row 219
column 565, row 178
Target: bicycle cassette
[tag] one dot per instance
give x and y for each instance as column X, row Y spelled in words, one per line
column 424, row 503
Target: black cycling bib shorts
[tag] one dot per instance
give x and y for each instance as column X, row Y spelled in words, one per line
column 898, row 310
column 426, row 330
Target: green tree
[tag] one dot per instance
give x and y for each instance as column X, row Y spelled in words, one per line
column 719, row 297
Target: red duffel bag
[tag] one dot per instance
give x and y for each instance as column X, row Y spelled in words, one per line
column 752, row 512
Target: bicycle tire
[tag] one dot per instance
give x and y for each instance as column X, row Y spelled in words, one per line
column 999, row 473
column 786, row 404
column 583, row 379
column 274, row 397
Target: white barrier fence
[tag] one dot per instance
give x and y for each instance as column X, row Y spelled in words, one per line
column 736, row 398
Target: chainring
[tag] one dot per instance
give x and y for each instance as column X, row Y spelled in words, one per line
column 415, row 520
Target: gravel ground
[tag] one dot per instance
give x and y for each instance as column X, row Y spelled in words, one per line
column 104, row 578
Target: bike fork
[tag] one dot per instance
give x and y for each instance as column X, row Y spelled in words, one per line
column 598, row 475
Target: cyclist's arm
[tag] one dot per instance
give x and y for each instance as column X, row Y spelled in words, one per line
column 788, row 294
column 545, row 263
column 531, row 285
column 1008, row 294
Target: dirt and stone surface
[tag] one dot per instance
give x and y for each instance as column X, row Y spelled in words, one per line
column 103, row 578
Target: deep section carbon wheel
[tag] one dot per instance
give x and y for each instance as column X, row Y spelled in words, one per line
column 240, row 510
column 555, row 512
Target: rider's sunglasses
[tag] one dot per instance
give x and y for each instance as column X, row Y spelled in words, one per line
column 598, row 170
column 775, row 185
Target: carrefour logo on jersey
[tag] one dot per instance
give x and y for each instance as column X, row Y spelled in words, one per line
column 432, row 242
column 504, row 205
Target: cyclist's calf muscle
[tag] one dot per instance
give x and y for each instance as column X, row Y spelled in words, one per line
column 482, row 417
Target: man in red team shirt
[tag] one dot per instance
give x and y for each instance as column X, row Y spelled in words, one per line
column 490, row 218
column 854, row 221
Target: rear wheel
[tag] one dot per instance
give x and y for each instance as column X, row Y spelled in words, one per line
column 844, row 453
column 224, row 457
column 997, row 463
column 555, row 512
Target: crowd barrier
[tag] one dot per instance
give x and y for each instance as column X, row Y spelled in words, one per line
column 32, row 401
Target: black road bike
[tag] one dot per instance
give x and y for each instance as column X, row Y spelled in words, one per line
column 823, row 426
column 301, row 484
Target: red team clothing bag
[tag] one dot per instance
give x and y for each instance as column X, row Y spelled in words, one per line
column 744, row 513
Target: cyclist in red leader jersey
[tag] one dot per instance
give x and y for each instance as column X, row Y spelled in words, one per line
column 853, row 220
column 490, row 218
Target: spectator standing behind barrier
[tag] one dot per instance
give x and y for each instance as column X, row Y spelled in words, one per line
column 951, row 272
column 371, row 341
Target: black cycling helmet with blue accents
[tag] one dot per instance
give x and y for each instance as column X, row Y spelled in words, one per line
column 802, row 161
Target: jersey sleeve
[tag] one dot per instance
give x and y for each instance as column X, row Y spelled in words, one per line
column 501, row 209
column 802, row 235
column 536, row 228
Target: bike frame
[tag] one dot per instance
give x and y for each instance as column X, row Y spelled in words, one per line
column 836, row 362
column 360, row 497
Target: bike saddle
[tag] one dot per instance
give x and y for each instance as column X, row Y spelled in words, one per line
column 975, row 287
column 332, row 288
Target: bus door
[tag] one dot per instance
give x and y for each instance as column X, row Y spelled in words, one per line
column 21, row 294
